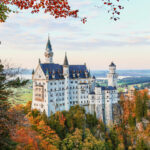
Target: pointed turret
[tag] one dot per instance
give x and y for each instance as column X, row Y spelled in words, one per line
column 112, row 64
column 66, row 60
column 32, row 71
column 39, row 61
column 89, row 73
column 48, row 46
column 47, row 73
column 48, row 52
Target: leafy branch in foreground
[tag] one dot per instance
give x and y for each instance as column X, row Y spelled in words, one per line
column 56, row 8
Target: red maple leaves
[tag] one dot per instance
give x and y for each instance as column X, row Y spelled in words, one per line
column 58, row 8
column 114, row 9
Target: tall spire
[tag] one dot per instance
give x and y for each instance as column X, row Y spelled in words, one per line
column 48, row 46
column 66, row 60
column 48, row 52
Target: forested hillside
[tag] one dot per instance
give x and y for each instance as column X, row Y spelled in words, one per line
column 28, row 129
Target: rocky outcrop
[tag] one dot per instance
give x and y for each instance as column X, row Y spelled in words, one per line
column 117, row 112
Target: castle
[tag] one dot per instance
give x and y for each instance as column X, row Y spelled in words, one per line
column 57, row 87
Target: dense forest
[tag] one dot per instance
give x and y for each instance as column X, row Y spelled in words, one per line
column 24, row 129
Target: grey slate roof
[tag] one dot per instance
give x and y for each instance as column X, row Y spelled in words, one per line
column 48, row 45
column 92, row 93
column 112, row 64
column 57, row 70
column 107, row 87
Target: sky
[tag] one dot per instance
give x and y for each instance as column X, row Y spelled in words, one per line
column 98, row 42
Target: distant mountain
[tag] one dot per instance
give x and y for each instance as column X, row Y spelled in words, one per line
column 132, row 73
column 103, row 73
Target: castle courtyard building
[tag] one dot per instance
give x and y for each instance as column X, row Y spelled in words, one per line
column 57, row 87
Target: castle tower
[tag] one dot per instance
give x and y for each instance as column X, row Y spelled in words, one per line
column 48, row 53
column 112, row 75
column 66, row 76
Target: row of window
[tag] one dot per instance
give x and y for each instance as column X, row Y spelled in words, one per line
column 36, row 83
column 41, row 105
column 38, row 95
column 55, row 83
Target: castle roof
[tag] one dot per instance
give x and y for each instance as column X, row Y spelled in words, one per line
column 48, row 45
column 75, row 71
column 112, row 65
column 106, row 87
column 92, row 93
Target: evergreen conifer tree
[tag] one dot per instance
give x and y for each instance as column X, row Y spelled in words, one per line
column 5, row 120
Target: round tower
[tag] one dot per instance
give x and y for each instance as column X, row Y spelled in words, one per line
column 112, row 75
column 48, row 53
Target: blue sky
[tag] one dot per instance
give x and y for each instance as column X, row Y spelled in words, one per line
column 98, row 42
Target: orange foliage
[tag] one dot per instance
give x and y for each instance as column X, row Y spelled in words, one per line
column 26, row 138
column 128, row 109
column 62, row 119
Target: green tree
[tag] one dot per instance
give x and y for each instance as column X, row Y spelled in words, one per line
column 131, row 121
column 139, row 107
column 141, row 145
column 91, row 120
column 114, row 139
column 145, row 107
column 75, row 142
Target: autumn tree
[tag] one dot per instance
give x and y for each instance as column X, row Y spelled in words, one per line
column 75, row 141
column 141, row 145
column 145, row 104
column 7, row 80
column 56, row 8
